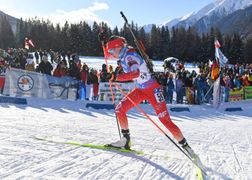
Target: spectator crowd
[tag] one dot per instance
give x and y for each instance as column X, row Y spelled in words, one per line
column 179, row 85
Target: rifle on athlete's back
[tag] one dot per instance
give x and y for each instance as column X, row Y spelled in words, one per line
column 140, row 46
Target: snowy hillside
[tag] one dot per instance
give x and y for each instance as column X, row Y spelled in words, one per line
column 219, row 8
column 222, row 140
column 205, row 17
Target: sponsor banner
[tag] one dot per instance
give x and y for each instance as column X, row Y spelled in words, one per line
column 236, row 95
column 63, row 87
column 216, row 93
column 105, row 94
column 248, row 92
column 23, row 83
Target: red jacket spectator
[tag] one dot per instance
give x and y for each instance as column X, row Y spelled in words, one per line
column 61, row 70
column 84, row 74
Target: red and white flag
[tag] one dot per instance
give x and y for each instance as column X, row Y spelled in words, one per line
column 217, row 44
column 222, row 59
column 28, row 43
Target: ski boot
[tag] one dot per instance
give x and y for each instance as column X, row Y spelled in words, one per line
column 188, row 149
column 195, row 158
column 191, row 153
column 124, row 142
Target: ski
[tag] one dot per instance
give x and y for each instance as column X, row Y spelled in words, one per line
column 199, row 173
column 199, row 170
column 93, row 146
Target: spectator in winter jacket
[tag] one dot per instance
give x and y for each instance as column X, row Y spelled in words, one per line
column 119, row 69
column 45, row 66
column 36, row 56
column 179, row 89
column 84, row 78
column 170, row 89
column 75, row 68
column 110, row 72
column 202, row 88
column 237, row 82
column 84, row 74
column 29, row 66
column 227, row 87
column 104, row 74
column 245, row 81
column 93, row 79
column 61, row 70
column 197, row 89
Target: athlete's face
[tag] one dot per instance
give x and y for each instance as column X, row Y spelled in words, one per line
column 115, row 52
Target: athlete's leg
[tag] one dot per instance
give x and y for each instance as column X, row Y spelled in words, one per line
column 161, row 110
column 159, row 105
column 125, row 105
column 121, row 110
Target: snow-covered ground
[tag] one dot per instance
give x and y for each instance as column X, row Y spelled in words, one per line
column 222, row 139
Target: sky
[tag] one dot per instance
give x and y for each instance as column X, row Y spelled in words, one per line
column 142, row 12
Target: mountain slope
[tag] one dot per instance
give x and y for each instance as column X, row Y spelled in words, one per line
column 237, row 22
column 204, row 19
column 11, row 20
column 228, row 15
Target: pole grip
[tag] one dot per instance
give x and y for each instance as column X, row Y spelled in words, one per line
column 124, row 17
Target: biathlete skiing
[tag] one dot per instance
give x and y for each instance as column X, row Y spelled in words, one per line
column 135, row 68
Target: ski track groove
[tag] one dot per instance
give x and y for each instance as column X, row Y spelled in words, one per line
column 112, row 170
column 236, row 158
column 62, row 168
column 28, row 159
column 141, row 175
column 32, row 163
column 97, row 167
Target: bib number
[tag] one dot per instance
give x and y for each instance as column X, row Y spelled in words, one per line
column 143, row 76
column 159, row 95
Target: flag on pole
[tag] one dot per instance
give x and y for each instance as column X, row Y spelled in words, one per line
column 222, row 58
column 217, row 44
column 219, row 56
column 28, row 43
column 215, row 70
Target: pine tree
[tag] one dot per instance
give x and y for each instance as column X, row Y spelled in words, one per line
column 236, row 50
column 95, row 43
column 65, row 37
column 166, row 42
column 248, row 52
column 155, row 40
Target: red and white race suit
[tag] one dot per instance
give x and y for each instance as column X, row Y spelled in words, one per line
column 135, row 68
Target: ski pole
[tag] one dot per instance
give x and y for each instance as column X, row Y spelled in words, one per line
column 162, row 131
column 110, row 86
column 204, row 98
